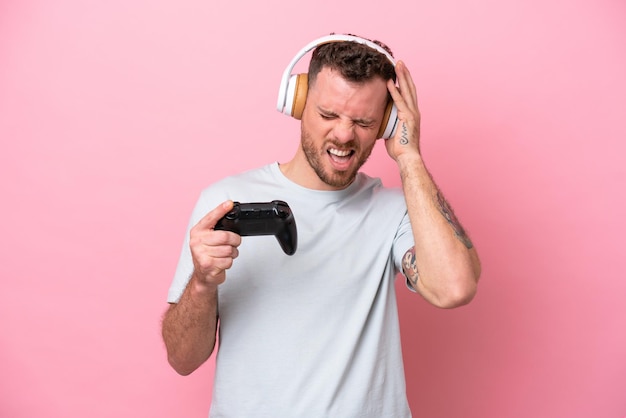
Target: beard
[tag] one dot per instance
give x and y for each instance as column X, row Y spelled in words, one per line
column 316, row 156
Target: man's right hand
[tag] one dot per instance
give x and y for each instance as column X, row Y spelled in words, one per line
column 213, row 251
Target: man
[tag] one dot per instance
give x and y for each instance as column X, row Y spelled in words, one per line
column 316, row 334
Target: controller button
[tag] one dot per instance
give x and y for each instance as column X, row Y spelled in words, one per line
column 233, row 214
column 282, row 212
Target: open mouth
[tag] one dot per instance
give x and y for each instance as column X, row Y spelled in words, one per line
column 340, row 156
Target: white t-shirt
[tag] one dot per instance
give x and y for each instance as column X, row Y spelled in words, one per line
column 314, row 334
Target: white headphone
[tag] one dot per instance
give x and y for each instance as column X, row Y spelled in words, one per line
column 293, row 87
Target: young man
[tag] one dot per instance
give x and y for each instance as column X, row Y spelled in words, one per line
column 316, row 334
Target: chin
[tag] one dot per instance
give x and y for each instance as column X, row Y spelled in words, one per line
column 339, row 181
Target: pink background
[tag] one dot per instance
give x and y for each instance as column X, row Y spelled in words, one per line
column 113, row 116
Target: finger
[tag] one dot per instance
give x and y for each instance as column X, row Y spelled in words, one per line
column 395, row 95
column 400, row 93
column 210, row 219
column 215, row 258
column 224, row 252
column 213, row 243
column 406, row 113
column 213, row 238
column 215, row 264
column 407, row 86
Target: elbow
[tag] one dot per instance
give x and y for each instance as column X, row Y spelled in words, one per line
column 183, row 360
column 455, row 285
column 456, row 293
column 463, row 288
column 458, row 296
column 182, row 367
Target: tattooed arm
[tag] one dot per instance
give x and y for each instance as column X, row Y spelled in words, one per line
column 443, row 266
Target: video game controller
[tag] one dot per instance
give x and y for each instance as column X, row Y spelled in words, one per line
column 267, row 218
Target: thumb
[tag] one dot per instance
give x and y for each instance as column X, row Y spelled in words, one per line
column 210, row 219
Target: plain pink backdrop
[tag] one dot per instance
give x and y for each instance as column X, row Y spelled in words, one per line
column 114, row 115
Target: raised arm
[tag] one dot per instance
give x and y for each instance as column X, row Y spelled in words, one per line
column 189, row 326
column 443, row 266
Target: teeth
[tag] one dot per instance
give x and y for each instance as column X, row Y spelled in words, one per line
column 339, row 153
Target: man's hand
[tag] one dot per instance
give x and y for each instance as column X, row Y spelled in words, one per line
column 213, row 251
column 407, row 136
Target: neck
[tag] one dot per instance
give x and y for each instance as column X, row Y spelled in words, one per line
column 299, row 171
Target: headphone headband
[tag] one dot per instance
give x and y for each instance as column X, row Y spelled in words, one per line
column 280, row 105
column 293, row 88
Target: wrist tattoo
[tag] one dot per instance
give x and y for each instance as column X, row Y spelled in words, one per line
column 445, row 209
column 409, row 266
column 404, row 137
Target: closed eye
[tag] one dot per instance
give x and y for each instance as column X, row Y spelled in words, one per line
column 362, row 123
column 365, row 124
column 327, row 116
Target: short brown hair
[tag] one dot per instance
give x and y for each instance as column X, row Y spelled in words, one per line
column 355, row 61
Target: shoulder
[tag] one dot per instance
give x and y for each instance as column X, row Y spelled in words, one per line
column 244, row 179
column 380, row 193
column 229, row 188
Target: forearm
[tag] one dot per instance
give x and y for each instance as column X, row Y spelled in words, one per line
column 189, row 327
column 446, row 267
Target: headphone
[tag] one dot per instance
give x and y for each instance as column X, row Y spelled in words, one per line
column 293, row 87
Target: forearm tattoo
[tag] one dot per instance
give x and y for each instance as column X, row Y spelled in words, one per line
column 409, row 265
column 446, row 211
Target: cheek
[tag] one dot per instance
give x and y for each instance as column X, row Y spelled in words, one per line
column 368, row 140
column 370, row 146
column 367, row 135
column 317, row 131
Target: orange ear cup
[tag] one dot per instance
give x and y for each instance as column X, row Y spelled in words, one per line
column 385, row 121
column 299, row 95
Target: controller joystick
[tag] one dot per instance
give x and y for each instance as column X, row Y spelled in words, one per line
column 267, row 218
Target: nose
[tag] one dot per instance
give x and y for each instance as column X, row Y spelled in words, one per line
column 343, row 131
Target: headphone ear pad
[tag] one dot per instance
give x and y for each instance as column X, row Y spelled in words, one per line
column 295, row 99
column 389, row 121
column 299, row 98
